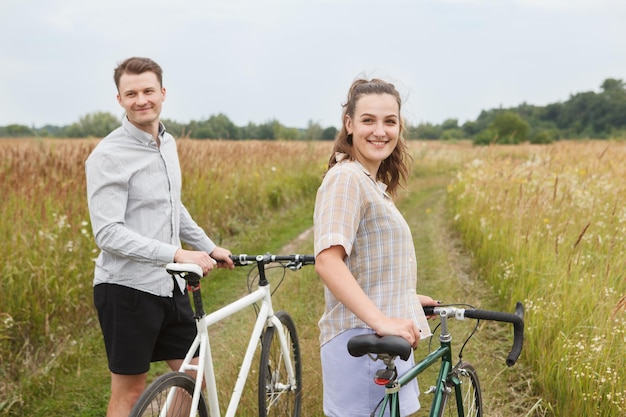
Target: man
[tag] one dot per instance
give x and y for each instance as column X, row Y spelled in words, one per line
column 138, row 220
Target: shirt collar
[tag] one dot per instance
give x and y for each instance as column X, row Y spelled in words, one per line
column 341, row 157
column 142, row 136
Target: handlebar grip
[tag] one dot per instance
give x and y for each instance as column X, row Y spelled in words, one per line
column 308, row 259
column 237, row 260
column 516, row 319
column 518, row 335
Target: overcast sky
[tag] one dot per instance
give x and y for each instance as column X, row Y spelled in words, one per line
column 293, row 60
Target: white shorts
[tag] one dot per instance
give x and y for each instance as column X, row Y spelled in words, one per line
column 349, row 388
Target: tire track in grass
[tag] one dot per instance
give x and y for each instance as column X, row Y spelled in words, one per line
column 445, row 273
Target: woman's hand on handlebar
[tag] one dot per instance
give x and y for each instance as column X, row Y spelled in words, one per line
column 427, row 301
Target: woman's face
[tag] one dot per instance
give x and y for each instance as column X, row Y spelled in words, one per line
column 375, row 129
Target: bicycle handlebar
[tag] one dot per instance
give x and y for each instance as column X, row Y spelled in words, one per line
column 292, row 260
column 517, row 319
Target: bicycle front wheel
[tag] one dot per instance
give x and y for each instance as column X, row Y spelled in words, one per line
column 169, row 395
column 463, row 389
column 277, row 395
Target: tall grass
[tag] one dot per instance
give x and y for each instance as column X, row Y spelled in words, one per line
column 47, row 248
column 547, row 225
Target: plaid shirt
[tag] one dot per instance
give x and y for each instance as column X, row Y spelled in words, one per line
column 354, row 211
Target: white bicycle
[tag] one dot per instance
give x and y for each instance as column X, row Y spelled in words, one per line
column 280, row 373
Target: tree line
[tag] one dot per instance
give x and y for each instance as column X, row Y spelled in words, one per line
column 100, row 124
column 584, row 115
column 595, row 115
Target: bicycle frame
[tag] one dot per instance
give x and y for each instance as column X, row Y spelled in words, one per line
column 205, row 370
column 447, row 378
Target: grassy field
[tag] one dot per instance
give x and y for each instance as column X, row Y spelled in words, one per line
column 250, row 196
column 540, row 224
column 547, row 225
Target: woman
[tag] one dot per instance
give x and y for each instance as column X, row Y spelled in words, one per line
column 364, row 250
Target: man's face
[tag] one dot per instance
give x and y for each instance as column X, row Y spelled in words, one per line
column 142, row 97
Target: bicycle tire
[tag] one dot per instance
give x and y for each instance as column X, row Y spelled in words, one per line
column 470, row 393
column 277, row 397
column 153, row 399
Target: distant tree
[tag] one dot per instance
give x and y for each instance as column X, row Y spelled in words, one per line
column 450, row 124
column 452, row 134
column 507, row 128
column 450, row 130
column 286, row 133
column 97, row 124
column 330, row 133
column 542, row 136
column 510, row 128
column 223, row 127
column 250, row 131
column 178, row 130
column 49, row 130
column 613, row 101
column 16, row 131
column 426, row 131
column 485, row 137
column 267, row 130
column 215, row 127
column 313, row 131
column 613, row 85
column 75, row 130
column 470, row 128
column 551, row 113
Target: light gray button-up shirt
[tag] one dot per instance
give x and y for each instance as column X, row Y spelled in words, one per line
column 137, row 217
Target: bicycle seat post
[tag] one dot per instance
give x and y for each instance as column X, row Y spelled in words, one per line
column 194, row 288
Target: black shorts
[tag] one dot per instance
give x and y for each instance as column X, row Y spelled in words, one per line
column 140, row 328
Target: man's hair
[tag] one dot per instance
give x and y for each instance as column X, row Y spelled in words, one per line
column 137, row 65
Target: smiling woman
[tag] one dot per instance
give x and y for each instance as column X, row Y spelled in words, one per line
column 359, row 235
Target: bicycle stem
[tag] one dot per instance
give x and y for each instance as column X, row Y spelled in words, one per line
column 445, row 336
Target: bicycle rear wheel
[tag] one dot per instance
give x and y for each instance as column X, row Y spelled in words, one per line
column 464, row 387
column 277, row 396
column 153, row 401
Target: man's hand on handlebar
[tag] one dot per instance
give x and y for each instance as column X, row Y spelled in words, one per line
column 222, row 256
column 204, row 260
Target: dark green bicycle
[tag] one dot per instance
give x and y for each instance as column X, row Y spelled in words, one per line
column 457, row 390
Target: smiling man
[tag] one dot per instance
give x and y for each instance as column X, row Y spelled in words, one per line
column 139, row 221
